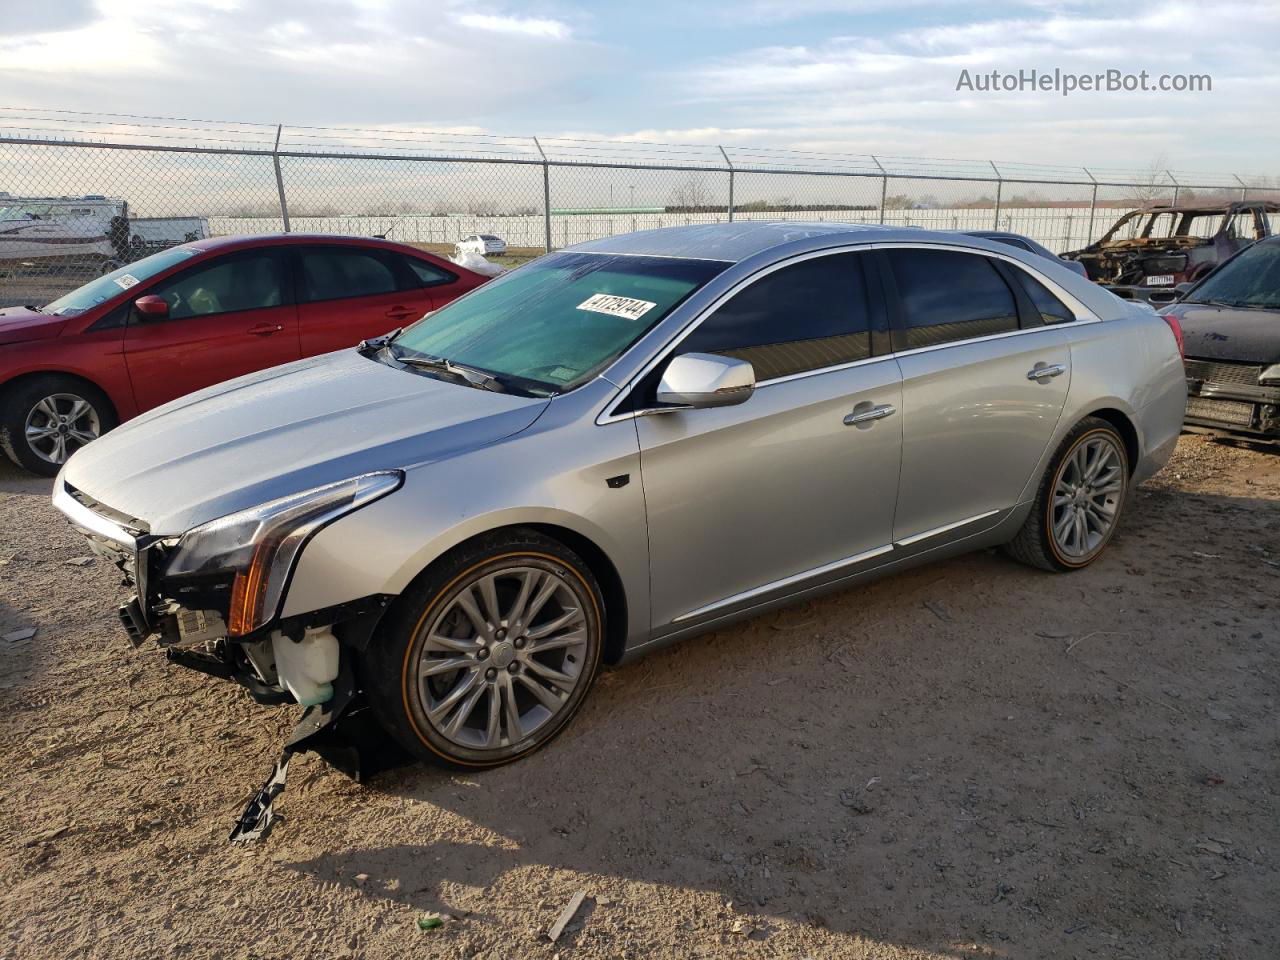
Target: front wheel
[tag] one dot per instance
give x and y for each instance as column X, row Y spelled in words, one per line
column 1079, row 501
column 46, row 419
column 488, row 655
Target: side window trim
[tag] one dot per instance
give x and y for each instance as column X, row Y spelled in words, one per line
column 283, row 272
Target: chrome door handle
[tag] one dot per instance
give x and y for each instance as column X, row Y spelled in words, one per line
column 1044, row 371
column 866, row 416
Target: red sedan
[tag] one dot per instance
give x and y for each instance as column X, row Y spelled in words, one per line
column 193, row 316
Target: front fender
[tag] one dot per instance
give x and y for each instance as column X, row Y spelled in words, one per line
column 381, row 548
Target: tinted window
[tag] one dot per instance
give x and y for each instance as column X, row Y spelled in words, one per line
column 329, row 273
column 947, row 296
column 1050, row 308
column 428, row 274
column 226, row 285
column 809, row 315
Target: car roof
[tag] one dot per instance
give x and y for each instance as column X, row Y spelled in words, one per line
column 237, row 241
column 741, row 239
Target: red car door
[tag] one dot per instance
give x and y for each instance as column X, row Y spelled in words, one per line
column 349, row 293
column 228, row 316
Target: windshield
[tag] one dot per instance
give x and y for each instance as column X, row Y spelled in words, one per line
column 559, row 320
column 117, row 281
column 1251, row 279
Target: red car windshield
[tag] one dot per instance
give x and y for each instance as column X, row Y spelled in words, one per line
column 116, row 282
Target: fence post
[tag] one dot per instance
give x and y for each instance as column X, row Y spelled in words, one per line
column 546, row 194
column 1169, row 174
column 1093, row 206
column 995, row 224
column 275, row 158
column 884, row 186
column 729, row 164
column 1244, row 191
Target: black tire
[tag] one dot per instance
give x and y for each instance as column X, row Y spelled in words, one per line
column 389, row 668
column 19, row 401
column 1035, row 543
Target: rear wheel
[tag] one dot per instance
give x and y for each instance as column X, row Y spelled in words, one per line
column 488, row 656
column 46, row 419
column 1079, row 501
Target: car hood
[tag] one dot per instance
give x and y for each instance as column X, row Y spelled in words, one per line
column 19, row 325
column 1226, row 333
column 282, row 431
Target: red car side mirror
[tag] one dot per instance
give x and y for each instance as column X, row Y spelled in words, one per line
column 152, row 307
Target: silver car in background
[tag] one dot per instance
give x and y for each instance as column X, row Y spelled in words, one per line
column 615, row 446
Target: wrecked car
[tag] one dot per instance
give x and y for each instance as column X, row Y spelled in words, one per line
column 1231, row 332
column 1158, row 248
column 629, row 441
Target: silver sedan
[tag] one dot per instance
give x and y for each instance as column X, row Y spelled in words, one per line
column 615, row 446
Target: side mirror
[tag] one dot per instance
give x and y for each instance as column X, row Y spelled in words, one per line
column 1167, row 295
column 151, row 307
column 706, row 380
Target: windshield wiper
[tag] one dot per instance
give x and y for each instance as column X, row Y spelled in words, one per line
column 477, row 378
column 374, row 344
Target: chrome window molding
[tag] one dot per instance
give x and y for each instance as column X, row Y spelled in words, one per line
column 1083, row 315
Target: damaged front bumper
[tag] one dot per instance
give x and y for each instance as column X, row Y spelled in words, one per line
column 1228, row 399
column 306, row 659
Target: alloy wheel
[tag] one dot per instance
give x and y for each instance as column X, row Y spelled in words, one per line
column 503, row 657
column 1087, row 496
column 60, row 424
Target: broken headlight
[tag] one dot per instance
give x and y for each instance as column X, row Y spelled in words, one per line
column 252, row 552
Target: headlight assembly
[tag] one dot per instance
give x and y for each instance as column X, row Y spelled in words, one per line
column 255, row 549
column 1270, row 376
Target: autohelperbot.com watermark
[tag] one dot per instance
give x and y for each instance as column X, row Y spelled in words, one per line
column 1066, row 82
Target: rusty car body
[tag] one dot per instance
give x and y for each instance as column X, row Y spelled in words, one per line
column 1158, row 248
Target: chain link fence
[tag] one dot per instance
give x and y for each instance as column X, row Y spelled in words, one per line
column 82, row 194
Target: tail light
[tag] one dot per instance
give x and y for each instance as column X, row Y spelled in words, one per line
column 1176, row 327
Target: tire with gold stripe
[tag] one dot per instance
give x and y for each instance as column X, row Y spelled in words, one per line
column 1079, row 502
column 489, row 653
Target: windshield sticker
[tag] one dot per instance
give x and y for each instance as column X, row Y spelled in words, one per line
column 628, row 308
column 127, row 281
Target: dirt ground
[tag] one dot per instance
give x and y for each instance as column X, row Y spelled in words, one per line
column 972, row 759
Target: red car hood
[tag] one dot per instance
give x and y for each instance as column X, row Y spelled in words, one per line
column 19, row 325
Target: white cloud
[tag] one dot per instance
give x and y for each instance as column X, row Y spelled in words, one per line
column 528, row 26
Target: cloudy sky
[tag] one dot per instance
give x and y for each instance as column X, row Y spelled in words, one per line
column 864, row 76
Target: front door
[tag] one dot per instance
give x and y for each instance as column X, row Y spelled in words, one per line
column 975, row 418
column 349, row 294
column 753, row 501
column 227, row 317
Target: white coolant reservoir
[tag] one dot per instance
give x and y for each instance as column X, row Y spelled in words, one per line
column 307, row 668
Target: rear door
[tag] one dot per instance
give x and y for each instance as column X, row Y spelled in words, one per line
column 788, row 488
column 228, row 316
column 347, row 294
column 984, row 381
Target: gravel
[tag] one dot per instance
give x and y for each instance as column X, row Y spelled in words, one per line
column 972, row 759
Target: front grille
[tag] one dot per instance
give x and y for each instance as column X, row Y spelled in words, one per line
column 1211, row 371
column 1223, row 411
